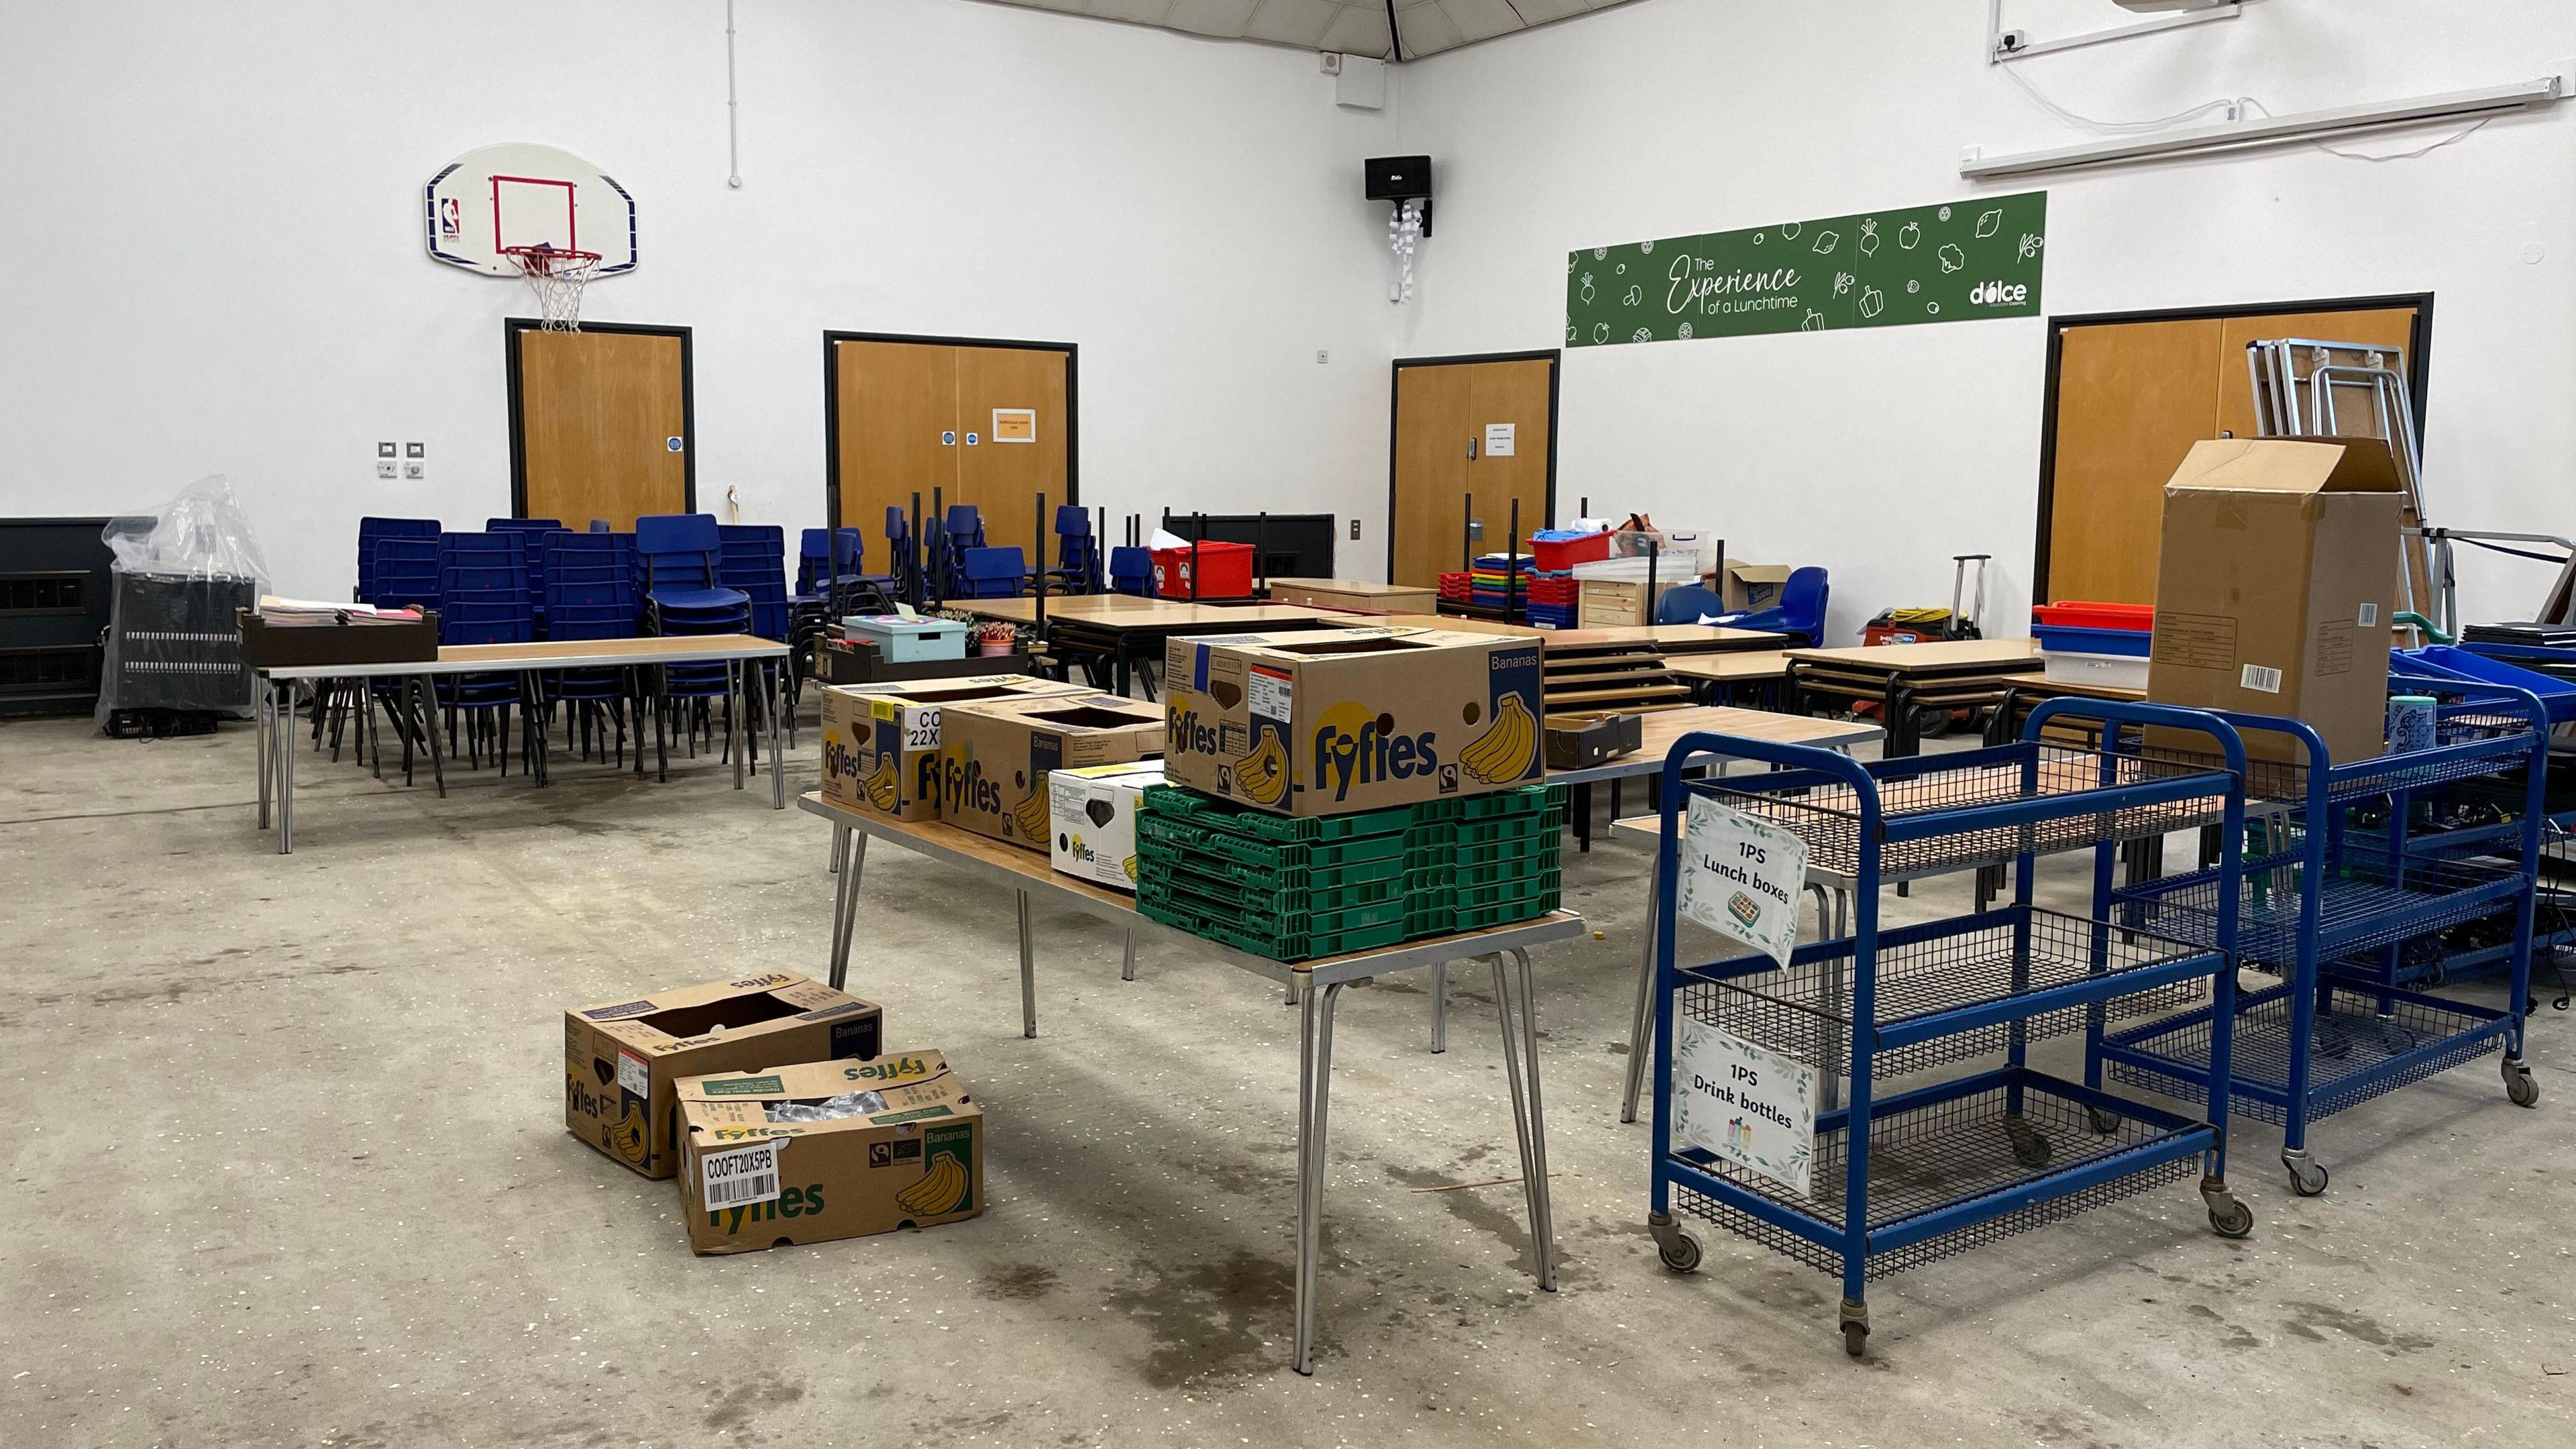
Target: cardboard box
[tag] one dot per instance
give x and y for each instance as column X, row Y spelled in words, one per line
column 1094, row 810
column 1357, row 596
column 994, row 761
column 622, row 1057
column 1751, row 586
column 1335, row 721
column 881, row 741
column 2274, row 592
column 913, row 1157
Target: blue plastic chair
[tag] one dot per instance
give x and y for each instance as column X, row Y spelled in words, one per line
column 961, row 530
column 1077, row 567
column 1801, row 610
column 679, row 558
column 753, row 559
column 993, row 573
column 483, row 599
column 1131, row 570
column 903, row 556
column 1687, row 603
column 371, row 530
column 590, row 594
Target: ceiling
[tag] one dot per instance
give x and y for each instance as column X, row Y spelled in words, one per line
column 1353, row 27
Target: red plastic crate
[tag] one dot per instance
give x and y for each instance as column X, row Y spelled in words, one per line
column 1225, row 571
column 1564, row 554
column 2076, row 614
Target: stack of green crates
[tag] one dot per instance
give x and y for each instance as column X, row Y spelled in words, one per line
column 1293, row 889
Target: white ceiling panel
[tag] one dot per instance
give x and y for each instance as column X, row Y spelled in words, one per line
column 1351, row 27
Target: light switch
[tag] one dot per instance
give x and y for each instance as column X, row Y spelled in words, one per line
column 1355, row 528
column 415, row 450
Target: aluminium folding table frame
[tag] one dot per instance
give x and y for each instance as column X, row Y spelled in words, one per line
column 1025, row 873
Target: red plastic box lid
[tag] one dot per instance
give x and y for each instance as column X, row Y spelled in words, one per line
column 2076, row 614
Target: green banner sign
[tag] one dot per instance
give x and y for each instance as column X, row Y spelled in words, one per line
column 1964, row 262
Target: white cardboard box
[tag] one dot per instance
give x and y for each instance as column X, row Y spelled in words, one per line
column 1094, row 814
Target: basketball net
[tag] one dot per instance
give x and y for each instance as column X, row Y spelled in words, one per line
column 557, row 277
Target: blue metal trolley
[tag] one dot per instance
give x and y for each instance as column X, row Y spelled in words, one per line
column 1902, row 1179
column 2329, row 908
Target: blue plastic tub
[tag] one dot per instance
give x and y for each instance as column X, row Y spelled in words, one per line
column 2449, row 659
column 2131, row 643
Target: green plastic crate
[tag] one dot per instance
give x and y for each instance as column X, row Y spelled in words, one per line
column 1209, row 811
column 1283, row 947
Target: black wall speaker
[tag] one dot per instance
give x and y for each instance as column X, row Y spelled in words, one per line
column 1398, row 178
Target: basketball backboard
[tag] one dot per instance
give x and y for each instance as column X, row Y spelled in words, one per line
column 523, row 195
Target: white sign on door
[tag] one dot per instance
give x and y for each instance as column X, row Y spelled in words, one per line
column 1742, row 877
column 1748, row 1106
column 1499, row 438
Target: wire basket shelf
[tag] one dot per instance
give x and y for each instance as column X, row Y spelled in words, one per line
column 1803, row 1011
column 2353, row 1050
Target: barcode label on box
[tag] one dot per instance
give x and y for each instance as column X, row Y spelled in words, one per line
column 1272, row 692
column 741, row 1176
column 2369, row 616
column 634, row 1076
column 2259, row 678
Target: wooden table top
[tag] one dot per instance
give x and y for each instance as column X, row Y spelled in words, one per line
column 1032, row 869
column 1672, row 638
column 1128, row 611
column 1749, row 667
column 1660, row 730
column 1999, row 655
column 1360, row 587
column 552, row 654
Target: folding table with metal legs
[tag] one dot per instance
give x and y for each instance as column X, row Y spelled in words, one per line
column 1026, row 874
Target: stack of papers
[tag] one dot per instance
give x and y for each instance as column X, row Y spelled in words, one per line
column 309, row 611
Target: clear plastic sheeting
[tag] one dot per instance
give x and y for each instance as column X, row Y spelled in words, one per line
column 201, row 534
column 173, row 647
column 830, row 1109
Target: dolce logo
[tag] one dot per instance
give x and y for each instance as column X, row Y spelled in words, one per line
column 2000, row 294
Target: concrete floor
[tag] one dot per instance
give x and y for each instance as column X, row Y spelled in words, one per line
column 288, row 1168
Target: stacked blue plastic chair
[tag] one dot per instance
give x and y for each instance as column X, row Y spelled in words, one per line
column 1131, row 570
column 752, row 558
column 399, row 571
column 992, row 573
column 1077, row 567
column 370, row 532
column 590, row 594
column 536, row 530
column 961, row 530
column 483, row 599
column 678, row 557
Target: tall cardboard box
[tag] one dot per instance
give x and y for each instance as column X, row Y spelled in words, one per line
column 621, row 1057
column 994, row 761
column 2274, row 593
column 881, row 741
column 1094, row 810
column 912, row 1154
column 1335, row 721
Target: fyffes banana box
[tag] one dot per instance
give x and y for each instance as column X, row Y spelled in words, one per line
column 995, row 756
column 1094, row 811
column 823, row 1150
column 621, row 1057
column 1333, row 721
column 881, row 741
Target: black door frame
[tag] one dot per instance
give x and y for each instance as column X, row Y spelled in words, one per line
column 832, row 405
column 511, row 330
column 2419, row 375
column 1554, row 357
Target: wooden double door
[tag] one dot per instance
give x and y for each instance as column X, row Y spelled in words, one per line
column 1473, row 437
column 966, row 421
column 2129, row 395
column 600, row 423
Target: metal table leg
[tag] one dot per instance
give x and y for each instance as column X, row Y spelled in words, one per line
column 734, row 695
column 429, row 726
column 777, row 707
column 1440, row 1008
column 840, row 884
column 1314, row 1094
column 1028, row 974
column 1520, row 1054
column 1641, row 1024
column 261, row 704
column 1128, row 971
column 845, row 904
column 281, row 750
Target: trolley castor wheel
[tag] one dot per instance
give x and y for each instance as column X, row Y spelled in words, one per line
column 1678, row 1250
column 2028, row 1148
column 2229, row 1217
column 2519, row 1086
column 1855, row 1327
column 2103, row 1123
column 2307, row 1178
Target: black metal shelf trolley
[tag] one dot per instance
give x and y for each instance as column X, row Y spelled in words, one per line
column 2348, row 876
column 1900, row 1179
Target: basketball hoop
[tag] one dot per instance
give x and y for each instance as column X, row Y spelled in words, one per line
column 557, row 277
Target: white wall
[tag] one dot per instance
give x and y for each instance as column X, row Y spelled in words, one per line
column 1881, row 453
column 211, row 236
